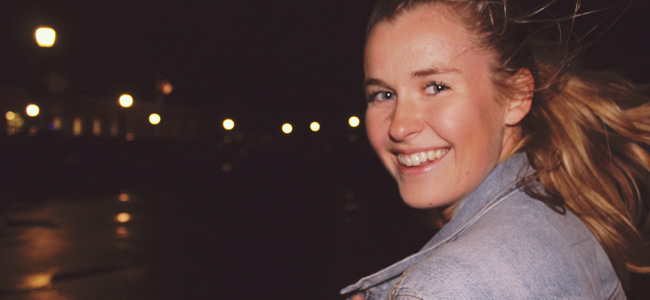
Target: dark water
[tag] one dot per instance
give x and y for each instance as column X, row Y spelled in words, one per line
column 273, row 218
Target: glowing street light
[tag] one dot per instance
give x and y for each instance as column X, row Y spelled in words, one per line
column 123, row 218
column 126, row 100
column 45, row 37
column 228, row 124
column 354, row 121
column 10, row 115
column 32, row 110
column 287, row 128
column 154, row 119
column 314, row 126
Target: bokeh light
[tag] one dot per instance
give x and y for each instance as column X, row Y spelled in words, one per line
column 228, row 124
column 77, row 126
column 124, row 197
column 123, row 218
column 166, row 88
column 314, row 126
column 10, row 115
column 354, row 121
column 226, row 167
column 122, row 232
column 126, row 100
column 287, row 128
column 56, row 123
column 154, row 119
column 45, row 37
column 32, row 110
column 36, row 281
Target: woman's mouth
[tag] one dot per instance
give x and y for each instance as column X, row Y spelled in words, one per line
column 421, row 158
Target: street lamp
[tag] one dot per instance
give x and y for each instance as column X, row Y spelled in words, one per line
column 32, row 110
column 228, row 124
column 354, row 121
column 154, row 119
column 314, row 126
column 126, row 100
column 45, row 36
column 287, row 128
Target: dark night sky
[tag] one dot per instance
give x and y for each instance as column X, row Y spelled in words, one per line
column 285, row 55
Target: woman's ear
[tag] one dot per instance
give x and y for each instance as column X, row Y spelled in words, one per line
column 521, row 100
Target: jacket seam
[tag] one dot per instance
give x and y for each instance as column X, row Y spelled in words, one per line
column 399, row 282
column 616, row 292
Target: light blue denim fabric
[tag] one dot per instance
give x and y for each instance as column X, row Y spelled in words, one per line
column 501, row 244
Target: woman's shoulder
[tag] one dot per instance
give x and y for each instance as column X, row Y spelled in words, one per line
column 519, row 249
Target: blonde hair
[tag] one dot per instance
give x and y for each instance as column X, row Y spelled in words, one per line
column 587, row 134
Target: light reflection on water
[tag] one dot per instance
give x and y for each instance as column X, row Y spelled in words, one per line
column 85, row 235
column 42, row 244
column 124, row 197
column 123, row 217
column 36, row 281
column 122, row 232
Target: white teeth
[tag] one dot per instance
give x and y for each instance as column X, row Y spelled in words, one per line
column 416, row 159
column 431, row 155
column 422, row 156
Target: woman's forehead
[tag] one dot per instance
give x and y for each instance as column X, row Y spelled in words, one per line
column 425, row 35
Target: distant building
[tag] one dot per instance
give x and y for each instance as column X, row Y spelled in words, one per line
column 78, row 115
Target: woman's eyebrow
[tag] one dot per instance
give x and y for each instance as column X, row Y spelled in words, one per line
column 433, row 71
column 374, row 81
column 416, row 74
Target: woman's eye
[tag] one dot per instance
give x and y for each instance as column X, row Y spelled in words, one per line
column 381, row 96
column 435, row 88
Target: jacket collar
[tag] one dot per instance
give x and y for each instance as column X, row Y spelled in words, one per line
column 503, row 180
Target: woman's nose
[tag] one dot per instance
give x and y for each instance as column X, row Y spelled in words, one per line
column 405, row 122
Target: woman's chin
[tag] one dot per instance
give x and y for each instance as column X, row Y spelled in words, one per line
column 420, row 200
column 421, row 197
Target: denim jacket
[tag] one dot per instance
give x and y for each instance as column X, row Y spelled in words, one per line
column 501, row 244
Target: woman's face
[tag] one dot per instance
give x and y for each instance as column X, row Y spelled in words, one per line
column 432, row 114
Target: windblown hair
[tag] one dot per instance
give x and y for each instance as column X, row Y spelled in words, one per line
column 587, row 134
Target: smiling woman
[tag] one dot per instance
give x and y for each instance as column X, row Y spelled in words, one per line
column 539, row 168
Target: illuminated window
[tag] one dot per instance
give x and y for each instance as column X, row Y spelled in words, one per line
column 77, row 127
column 115, row 129
column 97, row 127
column 15, row 123
column 10, row 116
column 56, row 123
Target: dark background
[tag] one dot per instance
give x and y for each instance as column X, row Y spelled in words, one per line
column 298, row 216
column 300, row 57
